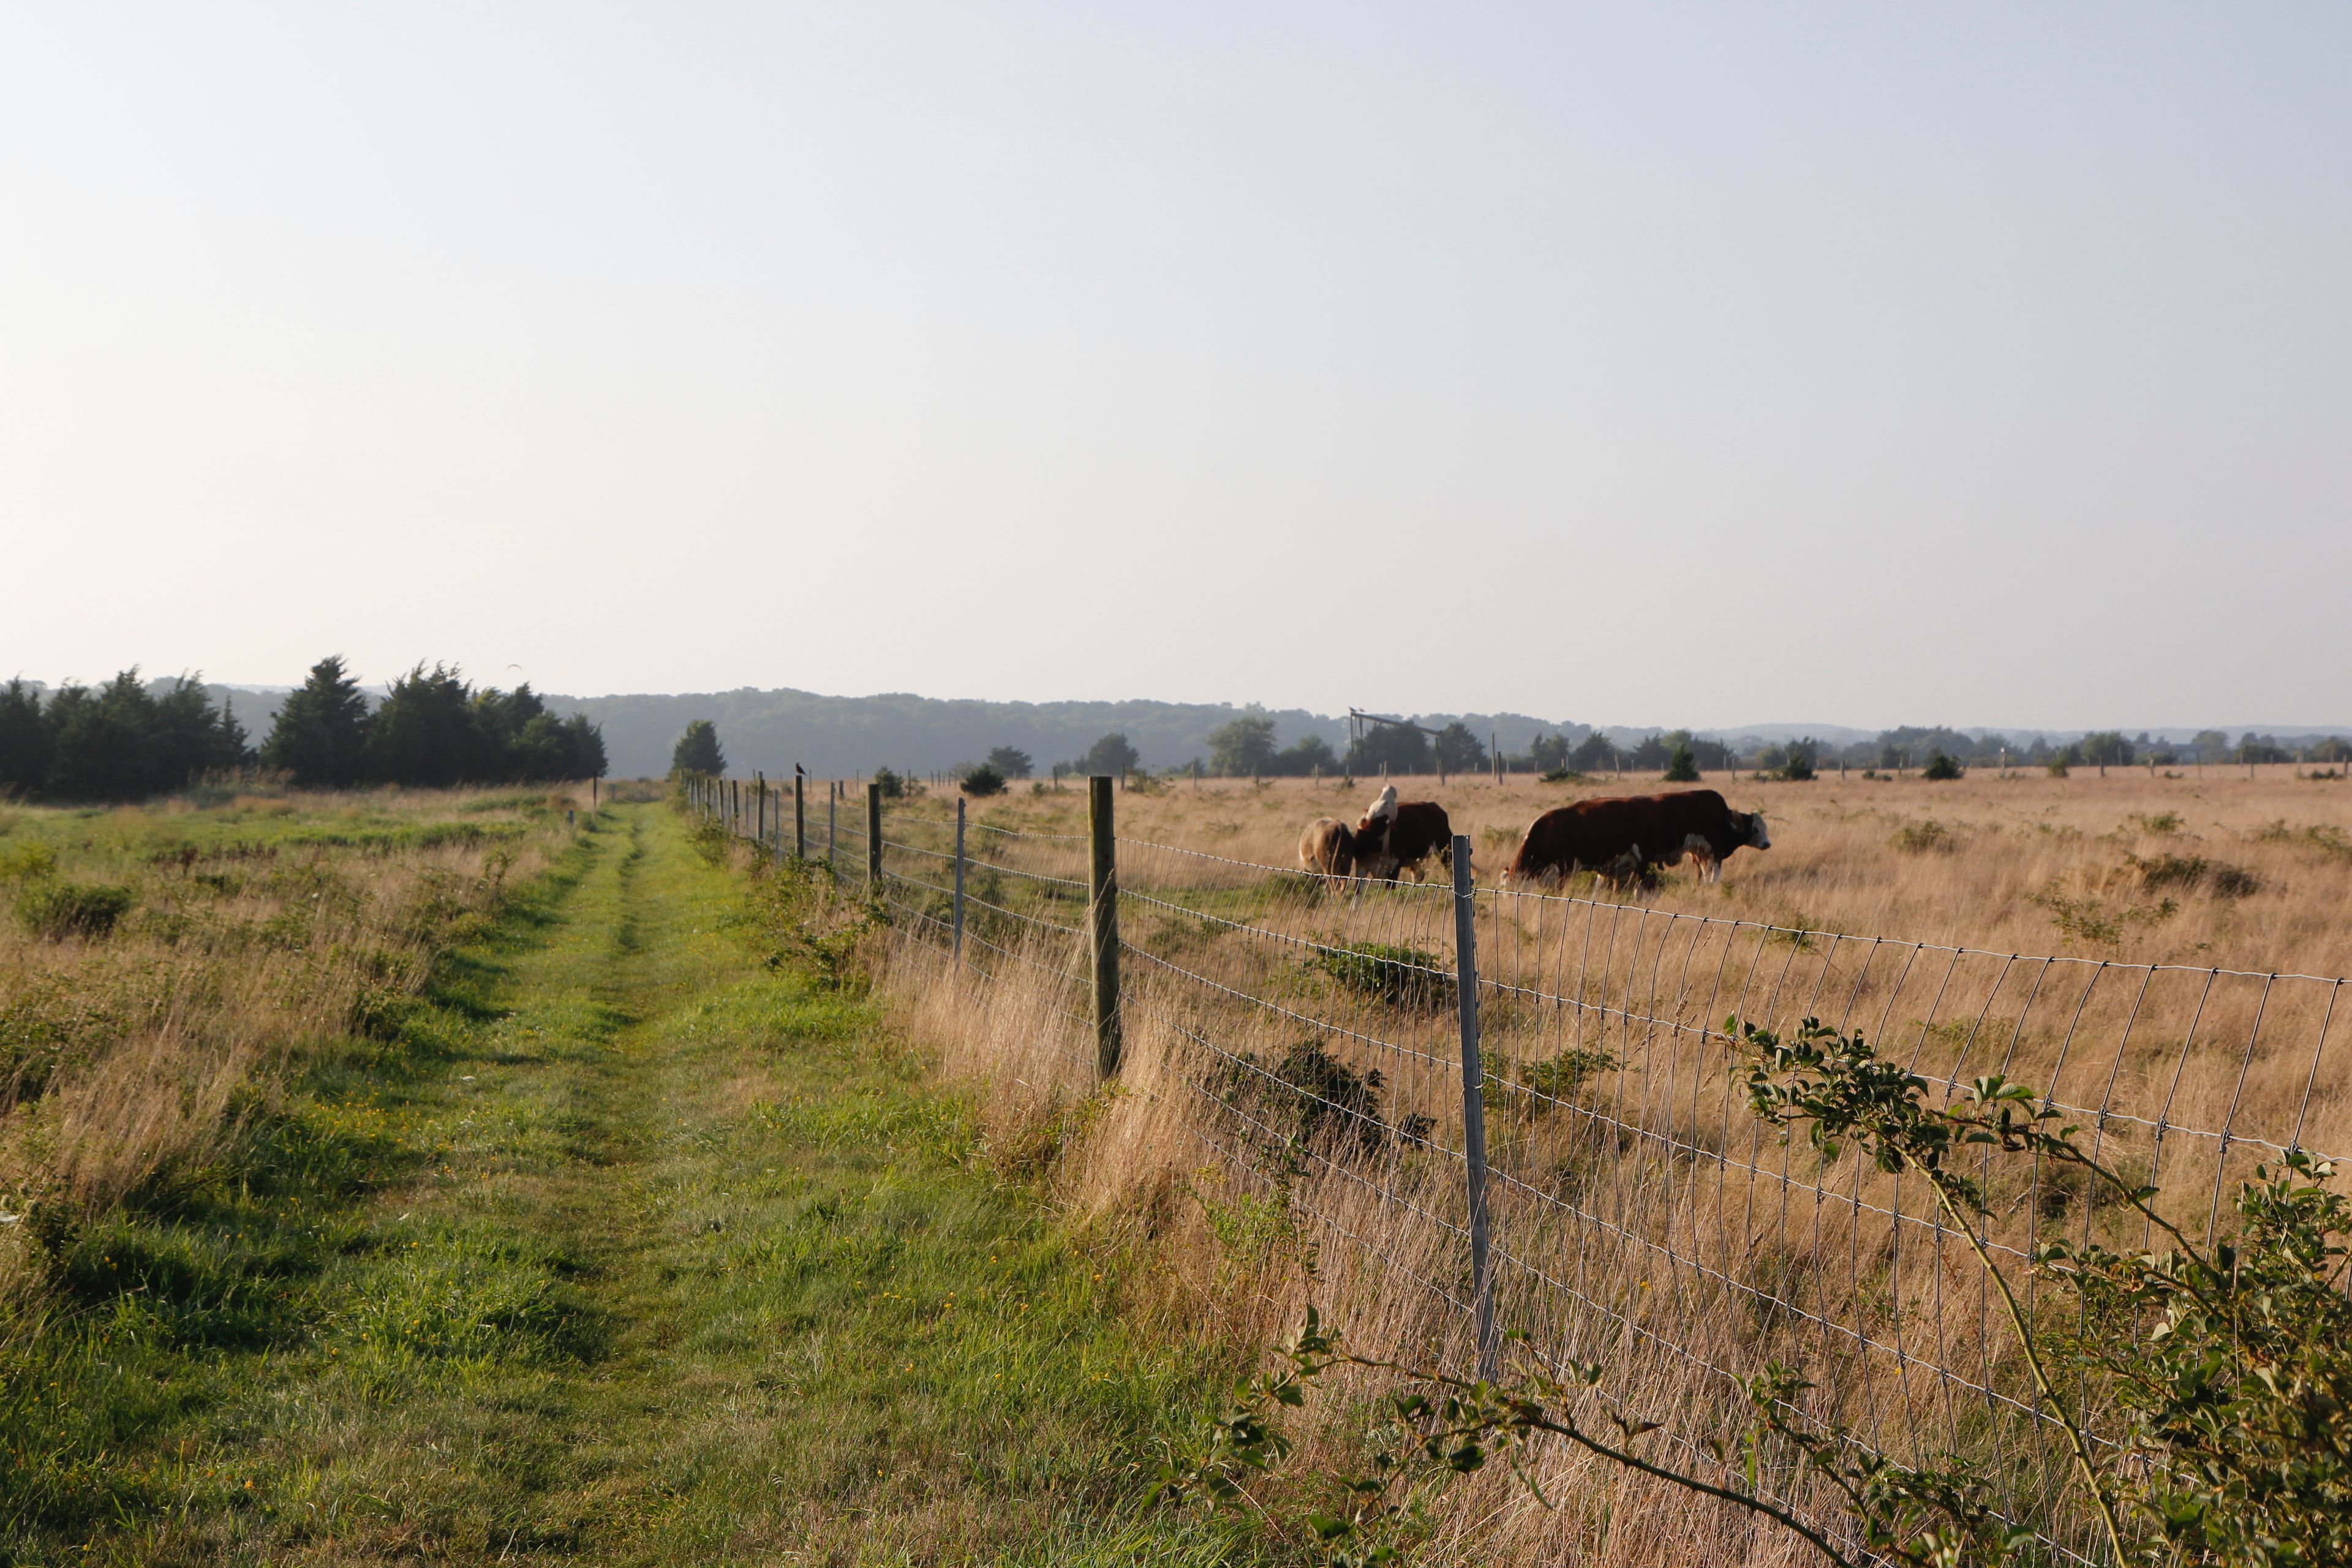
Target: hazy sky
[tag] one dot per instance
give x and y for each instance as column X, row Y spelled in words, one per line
column 1862, row 363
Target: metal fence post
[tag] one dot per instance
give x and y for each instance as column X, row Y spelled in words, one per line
column 1102, row 922
column 799, row 813
column 958, row 881
column 874, row 840
column 1474, row 1101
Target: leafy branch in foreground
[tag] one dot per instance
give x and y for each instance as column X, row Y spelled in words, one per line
column 2228, row 1365
column 1439, row 1427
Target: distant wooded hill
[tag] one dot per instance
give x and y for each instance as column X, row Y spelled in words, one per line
column 770, row 731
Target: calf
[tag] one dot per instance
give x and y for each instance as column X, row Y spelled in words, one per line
column 1626, row 836
column 1398, row 835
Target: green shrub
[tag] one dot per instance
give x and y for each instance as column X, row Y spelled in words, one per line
column 1311, row 1097
column 1682, row 765
column 29, row 861
column 1562, row 776
column 1400, row 976
column 58, row 909
column 893, row 786
column 1929, row 837
column 2196, row 873
column 1940, row 766
column 983, row 781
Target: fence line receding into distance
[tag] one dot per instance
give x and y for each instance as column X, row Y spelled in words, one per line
column 1552, row 1071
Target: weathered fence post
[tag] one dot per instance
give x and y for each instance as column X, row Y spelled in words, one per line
column 759, row 808
column 1474, row 1101
column 958, row 881
column 1102, row 922
column 874, row 840
column 831, row 795
column 799, row 812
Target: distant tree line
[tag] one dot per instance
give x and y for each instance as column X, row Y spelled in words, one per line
column 123, row 741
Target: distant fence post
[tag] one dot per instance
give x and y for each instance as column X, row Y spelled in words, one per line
column 1474, row 1101
column 799, row 812
column 958, row 881
column 874, row 840
column 831, row 795
column 1102, row 922
column 759, row 808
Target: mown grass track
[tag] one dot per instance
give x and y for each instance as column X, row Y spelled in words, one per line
column 632, row 1248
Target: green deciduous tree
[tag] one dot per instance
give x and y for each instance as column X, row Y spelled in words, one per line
column 1459, row 750
column 1244, row 747
column 1111, row 754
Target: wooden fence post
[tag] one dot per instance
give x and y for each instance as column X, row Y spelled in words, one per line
column 759, row 808
column 874, row 840
column 1473, row 1102
column 799, row 812
column 1102, row 922
column 958, row 881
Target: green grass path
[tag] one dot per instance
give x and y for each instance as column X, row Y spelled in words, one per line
column 635, row 1248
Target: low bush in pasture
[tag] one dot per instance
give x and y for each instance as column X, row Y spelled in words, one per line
column 1928, row 837
column 1310, row 1096
column 983, row 781
column 1400, row 976
column 1940, row 766
column 57, row 909
column 2195, row 873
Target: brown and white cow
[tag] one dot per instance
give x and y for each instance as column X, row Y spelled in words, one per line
column 1625, row 836
column 1401, row 836
column 1327, row 848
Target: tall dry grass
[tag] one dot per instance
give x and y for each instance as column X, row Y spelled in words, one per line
column 1641, row 1216
column 260, row 931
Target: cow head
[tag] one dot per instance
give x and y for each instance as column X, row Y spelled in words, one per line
column 1756, row 833
column 1382, row 809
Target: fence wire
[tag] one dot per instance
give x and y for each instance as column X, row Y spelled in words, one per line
column 1635, row 1205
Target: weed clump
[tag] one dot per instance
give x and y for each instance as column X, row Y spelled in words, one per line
column 56, row 910
column 1312, row 1099
column 2195, row 873
column 1400, row 976
column 1928, row 837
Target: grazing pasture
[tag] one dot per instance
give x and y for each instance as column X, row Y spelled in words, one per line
column 1292, row 1065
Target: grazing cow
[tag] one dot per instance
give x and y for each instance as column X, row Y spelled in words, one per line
column 1327, row 848
column 1401, row 836
column 1624, row 837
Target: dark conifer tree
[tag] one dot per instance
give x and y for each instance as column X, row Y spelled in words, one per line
column 428, row 733
column 25, row 740
column 321, row 737
column 697, row 752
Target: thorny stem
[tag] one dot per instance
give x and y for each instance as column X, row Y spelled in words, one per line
column 2042, row 1385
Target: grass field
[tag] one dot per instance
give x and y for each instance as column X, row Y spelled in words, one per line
column 615, row 1238
column 1973, row 860
column 1636, row 1182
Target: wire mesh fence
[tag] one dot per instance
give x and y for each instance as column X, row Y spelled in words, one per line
column 1637, row 1210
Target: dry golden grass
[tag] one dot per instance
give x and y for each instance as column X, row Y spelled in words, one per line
column 258, row 929
column 1641, row 1216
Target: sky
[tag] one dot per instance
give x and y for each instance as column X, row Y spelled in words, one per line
column 1866, row 364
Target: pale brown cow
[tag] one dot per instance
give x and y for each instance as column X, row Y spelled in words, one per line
column 1328, row 849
